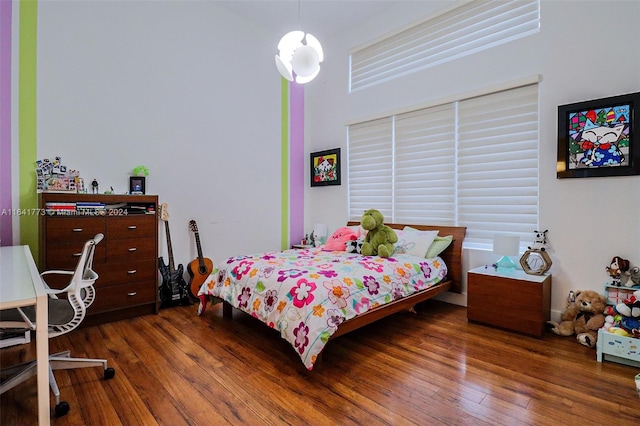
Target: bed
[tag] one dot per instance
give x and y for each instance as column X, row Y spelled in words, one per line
column 312, row 296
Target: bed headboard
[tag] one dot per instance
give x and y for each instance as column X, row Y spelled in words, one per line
column 452, row 256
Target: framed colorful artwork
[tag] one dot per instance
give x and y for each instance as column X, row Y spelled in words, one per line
column 325, row 167
column 599, row 137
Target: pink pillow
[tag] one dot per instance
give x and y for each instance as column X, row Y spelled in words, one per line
column 338, row 241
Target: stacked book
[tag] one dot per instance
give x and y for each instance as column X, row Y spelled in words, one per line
column 90, row 208
column 59, row 208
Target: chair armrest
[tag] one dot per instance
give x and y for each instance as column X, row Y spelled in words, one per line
column 52, row 291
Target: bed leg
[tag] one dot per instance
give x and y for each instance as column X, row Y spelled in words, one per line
column 227, row 310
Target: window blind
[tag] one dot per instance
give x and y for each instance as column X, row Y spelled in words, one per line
column 498, row 164
column 472, row 162
column 472, row 27
column 425, row 166
column 371, row 167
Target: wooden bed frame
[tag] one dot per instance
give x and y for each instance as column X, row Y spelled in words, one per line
column 452, row 257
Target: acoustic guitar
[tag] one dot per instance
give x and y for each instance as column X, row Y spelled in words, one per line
column 174, row 289
column 199, row 269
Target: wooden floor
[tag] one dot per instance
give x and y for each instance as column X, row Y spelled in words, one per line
column 427, row 368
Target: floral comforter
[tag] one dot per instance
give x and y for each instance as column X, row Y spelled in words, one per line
column 307, row 294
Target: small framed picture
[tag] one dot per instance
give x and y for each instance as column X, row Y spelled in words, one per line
column 136, row 185
column 325, row 167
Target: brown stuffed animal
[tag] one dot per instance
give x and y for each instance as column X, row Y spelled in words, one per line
column 582, row 317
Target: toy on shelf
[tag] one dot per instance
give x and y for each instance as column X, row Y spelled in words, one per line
column 141, row 170
column 634, row 276
column 631, row 306
column 617, row 267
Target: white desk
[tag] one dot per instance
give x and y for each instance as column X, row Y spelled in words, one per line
column 21, row 285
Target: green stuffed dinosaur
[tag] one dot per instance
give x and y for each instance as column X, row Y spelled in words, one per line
column 380, row 238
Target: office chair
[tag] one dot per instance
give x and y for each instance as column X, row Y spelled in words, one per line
column 65, row 314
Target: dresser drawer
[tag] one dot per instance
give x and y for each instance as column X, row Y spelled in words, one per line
column 131, row 249
column 131, row 226
column 70, row 229
column 122, row 273
column 66, row 256
column 123, row 295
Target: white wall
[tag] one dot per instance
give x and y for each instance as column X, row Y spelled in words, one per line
column 187, row 89
column 585, row 50
column 190, row 90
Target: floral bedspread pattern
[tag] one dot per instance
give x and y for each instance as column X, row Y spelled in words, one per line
column 307, row 294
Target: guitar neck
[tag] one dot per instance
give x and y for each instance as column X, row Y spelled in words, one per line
column 169, row 248
column 200, row 257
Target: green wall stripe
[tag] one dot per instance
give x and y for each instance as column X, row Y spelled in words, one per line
column 284, row 154
column 27, row 121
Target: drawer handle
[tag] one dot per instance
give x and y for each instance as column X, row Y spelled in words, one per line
column 77, row 254
column 133, row 293
column 133, row 271
column 132, row 227
column 77, row 229
column 133, row 249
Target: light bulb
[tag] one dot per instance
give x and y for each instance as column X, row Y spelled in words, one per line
column 305, row 61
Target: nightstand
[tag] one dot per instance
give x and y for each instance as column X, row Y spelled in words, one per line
column 514, row 301
column 301, row 246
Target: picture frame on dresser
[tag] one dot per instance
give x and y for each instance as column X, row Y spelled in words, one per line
column 137, row 185
column 600, row 137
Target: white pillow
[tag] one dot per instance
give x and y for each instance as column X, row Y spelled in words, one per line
column 414, row 242
column 359, row 230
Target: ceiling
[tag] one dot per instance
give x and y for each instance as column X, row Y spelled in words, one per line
column 331, row 16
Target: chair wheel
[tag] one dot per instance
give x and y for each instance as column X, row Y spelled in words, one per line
column 109, row 373
column 62, row 408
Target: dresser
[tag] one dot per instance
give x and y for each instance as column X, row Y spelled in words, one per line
column 126, row 260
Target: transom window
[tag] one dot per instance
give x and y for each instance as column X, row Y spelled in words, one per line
column 475, row 26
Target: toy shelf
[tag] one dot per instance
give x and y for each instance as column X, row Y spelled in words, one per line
column 620, row 349
column 612, row 347
column 618, row 294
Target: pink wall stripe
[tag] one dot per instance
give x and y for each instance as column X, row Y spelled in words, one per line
column 296, row 162
column 6, row 234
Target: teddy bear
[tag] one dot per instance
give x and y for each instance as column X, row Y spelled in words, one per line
column 380, row 238
column 582, row 317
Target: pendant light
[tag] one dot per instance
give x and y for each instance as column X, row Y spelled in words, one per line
column 299, row 59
